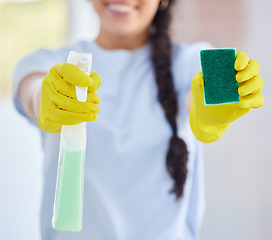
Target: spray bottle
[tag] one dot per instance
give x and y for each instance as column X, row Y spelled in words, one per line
column 68, row 204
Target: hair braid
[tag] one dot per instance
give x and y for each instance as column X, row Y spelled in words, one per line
column 177, row 155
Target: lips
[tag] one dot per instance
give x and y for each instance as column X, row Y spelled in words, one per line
column 121, row 7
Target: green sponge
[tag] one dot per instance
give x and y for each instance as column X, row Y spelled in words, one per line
column 220, row 85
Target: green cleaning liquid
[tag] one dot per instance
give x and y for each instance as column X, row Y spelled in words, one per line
column 69, row 192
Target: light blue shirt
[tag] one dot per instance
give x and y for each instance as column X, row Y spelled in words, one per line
column 126, row 193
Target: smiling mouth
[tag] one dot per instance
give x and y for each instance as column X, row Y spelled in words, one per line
column 121, row 8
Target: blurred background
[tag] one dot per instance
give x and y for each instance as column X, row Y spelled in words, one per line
column 238, row 166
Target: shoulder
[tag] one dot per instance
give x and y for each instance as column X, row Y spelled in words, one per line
column 186, row 57
column 42, row 59
column 188, row 51
column 186, row 63
column 61, row 53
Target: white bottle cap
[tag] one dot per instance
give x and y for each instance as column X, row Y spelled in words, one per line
column 83, row 61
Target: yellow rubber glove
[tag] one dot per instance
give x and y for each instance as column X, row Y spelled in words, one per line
column 209, row 123
column 59, row 105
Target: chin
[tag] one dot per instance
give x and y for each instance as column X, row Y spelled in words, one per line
column 124, row 31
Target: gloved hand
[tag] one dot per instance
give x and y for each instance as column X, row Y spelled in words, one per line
column 59, row 105
column 209, row 123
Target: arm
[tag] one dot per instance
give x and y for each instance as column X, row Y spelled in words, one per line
column 30, row 94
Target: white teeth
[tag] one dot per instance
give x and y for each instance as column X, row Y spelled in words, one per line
column 121, row 8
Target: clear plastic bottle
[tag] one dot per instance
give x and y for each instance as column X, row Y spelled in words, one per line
column 68, row 205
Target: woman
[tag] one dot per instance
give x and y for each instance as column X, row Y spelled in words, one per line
column 144, row 173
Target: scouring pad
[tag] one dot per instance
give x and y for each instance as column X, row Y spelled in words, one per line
column 220, row 85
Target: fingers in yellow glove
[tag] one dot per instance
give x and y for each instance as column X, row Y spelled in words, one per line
column 52, row 124
column 250, row 71
column 96, row 82
column 58, row 98
column 197, row 82
column 241, row 61
column 70, row 118
column 93, row 97
column 250, row 84
column 70, row 105
column 254, row 100
column 73, row 75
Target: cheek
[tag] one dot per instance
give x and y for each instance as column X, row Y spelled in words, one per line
column 148, row 13
column 149, row 9
column 151, row 6
column 98, row 6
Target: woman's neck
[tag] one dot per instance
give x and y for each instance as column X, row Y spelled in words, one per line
column 109, row 41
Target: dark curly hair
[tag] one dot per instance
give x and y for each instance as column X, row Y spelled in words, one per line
column 177, row 156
